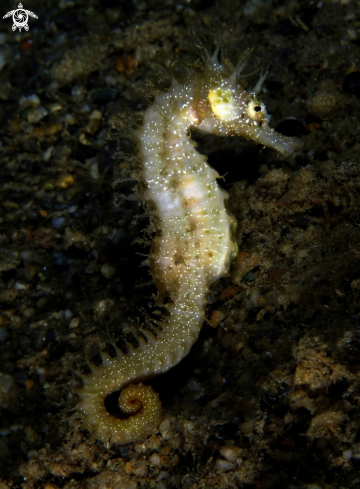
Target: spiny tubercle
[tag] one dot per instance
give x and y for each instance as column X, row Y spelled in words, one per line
column 194, row 243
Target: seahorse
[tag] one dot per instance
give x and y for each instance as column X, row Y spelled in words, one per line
column 195, row 240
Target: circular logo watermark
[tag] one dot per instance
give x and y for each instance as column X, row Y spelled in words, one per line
column 20, row 17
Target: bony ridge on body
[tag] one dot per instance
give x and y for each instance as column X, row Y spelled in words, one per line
column 194, row 243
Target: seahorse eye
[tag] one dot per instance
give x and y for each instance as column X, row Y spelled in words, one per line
column 256, row 110
column 223, row 103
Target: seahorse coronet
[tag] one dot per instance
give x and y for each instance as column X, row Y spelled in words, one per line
column 195, row 238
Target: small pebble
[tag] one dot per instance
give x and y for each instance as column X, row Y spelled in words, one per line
column 31, row 434
column 254, row 297
column 47, row 154
column 96, row 114
column 29, row 384
column 83, row 140
column 70, row 119
column 189, row 426
column 47, row 130
column 32, row 99
column 216, row 318
column 161, row 477
column 36, row 114
column 66, row 181
column 104, row 306
column 78, row 92
column 94, row 171
column 108, row 271
column 155, row 459
column 223, row 465
column 229, row 453
column 165, row 428
column 68, row 314
column 58, row 222
column 347, row 454
column 138, row 468
column 125, row 64
column 154, row 442
column 74, row 323
column 214, row 403
column 141, row 447
column 32, row 454
column 21, row 286
column 55, row 107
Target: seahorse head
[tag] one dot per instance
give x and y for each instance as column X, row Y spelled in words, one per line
column 229, row 110
column 228, row 105
column 223, row 107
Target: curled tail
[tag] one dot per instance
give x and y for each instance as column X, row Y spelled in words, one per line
column 126, row 372
column 140, row 403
